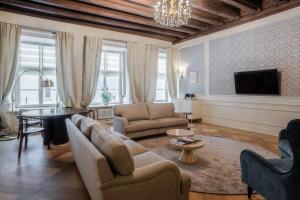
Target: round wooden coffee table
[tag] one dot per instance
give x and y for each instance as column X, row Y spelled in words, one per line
column 187, row 155
column 175, row 133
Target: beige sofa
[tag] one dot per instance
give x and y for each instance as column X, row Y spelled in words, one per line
column 139, row 120
column 113, row 167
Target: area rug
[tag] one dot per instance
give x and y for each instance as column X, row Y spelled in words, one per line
column 218, row 169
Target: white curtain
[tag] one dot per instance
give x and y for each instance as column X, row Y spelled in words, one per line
column 9, row 47
column 172, row 71
column 91, row 68
column 151, row 62
column 66, row 79
column 135, row 65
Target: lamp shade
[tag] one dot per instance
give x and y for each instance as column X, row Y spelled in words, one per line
column 47, row 83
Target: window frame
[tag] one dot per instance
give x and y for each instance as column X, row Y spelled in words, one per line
column 20, row 70
column 167, row 96
column 122, row 73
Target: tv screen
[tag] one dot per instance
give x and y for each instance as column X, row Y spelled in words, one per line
column 263, row 82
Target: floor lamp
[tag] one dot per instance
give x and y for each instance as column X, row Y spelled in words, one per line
column 45, row 83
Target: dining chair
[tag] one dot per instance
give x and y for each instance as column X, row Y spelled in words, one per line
column 29, row 122
column 26, row 129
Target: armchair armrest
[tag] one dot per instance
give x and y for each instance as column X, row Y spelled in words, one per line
column 148, row 182
column 178, row 115
column 249, row 157
column 282, row 135
column 119, row 123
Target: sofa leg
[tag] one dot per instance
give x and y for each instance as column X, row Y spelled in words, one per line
column 250, row 191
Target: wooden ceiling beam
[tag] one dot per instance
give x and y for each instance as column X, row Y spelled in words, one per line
column 104, row 12
column 246, row 19
column 204, row 18
column 79, row 17
column 127, row 7
column 243, row 5
column 141, row 8
column 213, row 7
column 206, row 6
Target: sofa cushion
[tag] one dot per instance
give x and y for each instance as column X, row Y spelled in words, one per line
column 146, row 158
column 132, row 111
column 141, row 125
column 76, row 119
column 160, row 110
column 86, row 126
column 134, row 147
column 168, row 122
column 114, row 149
column 123, row 137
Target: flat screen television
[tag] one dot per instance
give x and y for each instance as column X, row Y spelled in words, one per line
column 262, row 82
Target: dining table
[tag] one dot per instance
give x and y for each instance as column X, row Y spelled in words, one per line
column 53, row 120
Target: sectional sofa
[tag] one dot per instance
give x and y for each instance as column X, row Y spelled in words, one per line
column 140, row 120
column 114, row 167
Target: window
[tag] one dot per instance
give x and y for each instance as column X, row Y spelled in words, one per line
column 162, row 94
column 113, row 74
column 36, row 53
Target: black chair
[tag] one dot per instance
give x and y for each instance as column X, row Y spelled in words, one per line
column 26, row 129
column 284, row 146
column 28, row 122
column 275, row 179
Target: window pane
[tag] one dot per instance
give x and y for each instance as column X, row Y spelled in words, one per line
column 112, row 82
column 37, row 53
column 29, row 97
column 113, row 61
column 29, row 82
column 160, row 95
column 49, row 57
column 49, row 96
column 161, row 86
column 29, row 55
column 113, row 73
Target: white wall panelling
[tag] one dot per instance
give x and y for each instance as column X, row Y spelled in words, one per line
column 263, row 114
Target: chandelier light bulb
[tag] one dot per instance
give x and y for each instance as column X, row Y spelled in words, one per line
column 172, row 13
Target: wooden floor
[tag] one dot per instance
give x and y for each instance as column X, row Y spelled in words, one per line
column 45, row 175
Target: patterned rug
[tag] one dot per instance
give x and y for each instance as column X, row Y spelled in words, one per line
column 218, row 169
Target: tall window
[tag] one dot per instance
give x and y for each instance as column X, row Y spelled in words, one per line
column 36, row 53
column 113, row 74
column 162, row 94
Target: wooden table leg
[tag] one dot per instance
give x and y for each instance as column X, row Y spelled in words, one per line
column 188, row 157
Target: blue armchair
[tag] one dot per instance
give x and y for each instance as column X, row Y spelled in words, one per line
column 275, row 179
column 284, row 145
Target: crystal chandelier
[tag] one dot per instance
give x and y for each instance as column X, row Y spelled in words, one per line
column 172, row 13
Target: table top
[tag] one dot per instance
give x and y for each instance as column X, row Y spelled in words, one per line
column 50, row 112
column 194, row 145
column 174, row 133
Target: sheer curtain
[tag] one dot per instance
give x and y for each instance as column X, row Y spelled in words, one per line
column 91, row 68
column 136, row 71
column 66, row 81
column 172, row 71
column 151, row 62
column 9, row 46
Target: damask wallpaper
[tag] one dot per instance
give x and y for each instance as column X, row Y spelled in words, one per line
column 274, row 45
column 192, row 59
